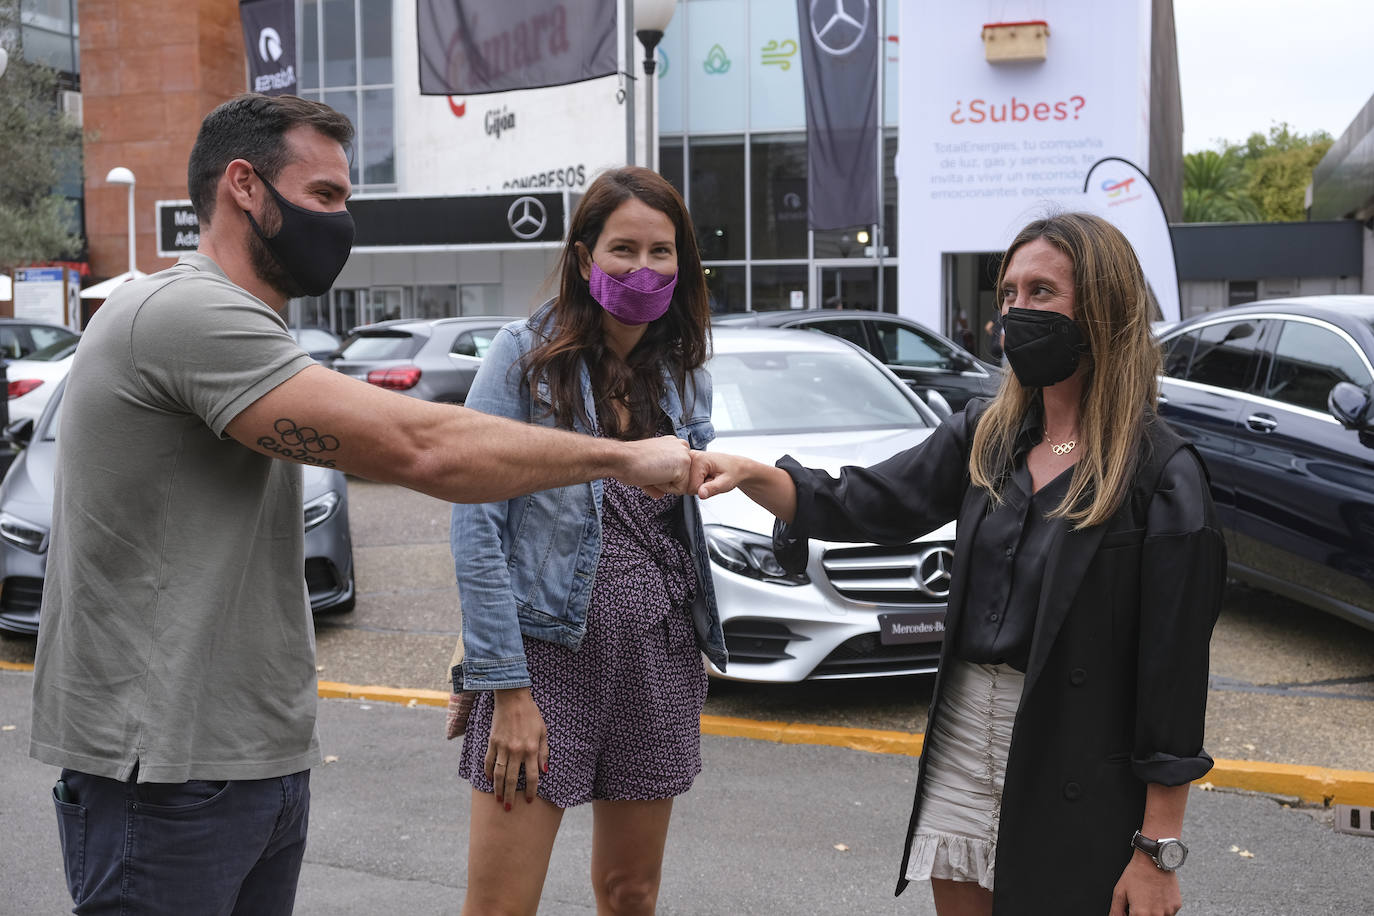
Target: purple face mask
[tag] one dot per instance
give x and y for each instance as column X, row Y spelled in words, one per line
column 638, row 297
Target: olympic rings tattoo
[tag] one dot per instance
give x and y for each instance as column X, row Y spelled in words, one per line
column 300, row 443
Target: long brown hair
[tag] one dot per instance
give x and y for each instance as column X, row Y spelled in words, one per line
column 572, row 329
column 1121, row 370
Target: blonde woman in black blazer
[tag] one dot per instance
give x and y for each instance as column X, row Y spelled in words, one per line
column 1088, row 573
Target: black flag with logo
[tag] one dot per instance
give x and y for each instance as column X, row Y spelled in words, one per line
column 269, row 40
column 839, row 52
column 468, row 47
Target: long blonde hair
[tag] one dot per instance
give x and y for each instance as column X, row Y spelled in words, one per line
column 1120, row 371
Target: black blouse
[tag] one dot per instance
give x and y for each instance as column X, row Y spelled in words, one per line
column 1009, row 553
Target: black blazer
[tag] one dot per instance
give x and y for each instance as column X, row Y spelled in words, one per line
column 1116, row 688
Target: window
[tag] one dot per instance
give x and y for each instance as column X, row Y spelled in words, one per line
column 725, row 288
column 1239, row 292
column 903, row 346
column 848, row 329
column 479, row 299
column 778, row 188
column 351, row 71
column 1223, row 354
column 1308, row 362
column 781, row 392
column 717, row 204
column 1178, row 351
column 778, row 286
column 474, row 343
column 436, row 301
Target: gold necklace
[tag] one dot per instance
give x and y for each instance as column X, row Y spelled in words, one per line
column 1063, row 448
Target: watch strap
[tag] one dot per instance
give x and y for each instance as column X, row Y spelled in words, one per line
column 1152, row 848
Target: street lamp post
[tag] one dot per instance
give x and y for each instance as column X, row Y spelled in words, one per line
column 121, row 175
column 651, row 19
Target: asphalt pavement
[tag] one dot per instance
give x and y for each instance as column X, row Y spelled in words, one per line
column 768, row 829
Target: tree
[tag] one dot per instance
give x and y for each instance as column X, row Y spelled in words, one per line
column 1214, row 188
column 1264, row 178
column 36, row 143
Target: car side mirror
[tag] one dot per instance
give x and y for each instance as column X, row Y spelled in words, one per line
column 937, row 403
column 1350, row 404
column 963, row 362
column 20, row 432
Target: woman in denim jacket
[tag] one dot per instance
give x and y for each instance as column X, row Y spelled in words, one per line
column 585, row 609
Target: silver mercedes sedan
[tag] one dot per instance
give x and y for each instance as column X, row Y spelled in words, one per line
column 859, row 610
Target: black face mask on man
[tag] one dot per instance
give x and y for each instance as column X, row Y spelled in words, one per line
column 1042, row 347
column 310, row 246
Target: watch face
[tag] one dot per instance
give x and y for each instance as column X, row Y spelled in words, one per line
column 1171, row 854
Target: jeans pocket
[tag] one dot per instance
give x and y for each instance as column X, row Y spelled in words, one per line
column 71, row 833
column 163, row 798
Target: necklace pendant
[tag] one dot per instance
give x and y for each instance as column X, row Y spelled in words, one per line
column 1063, row 448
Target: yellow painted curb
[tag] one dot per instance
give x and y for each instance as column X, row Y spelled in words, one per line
column 859, row 739
column 333, row 690
column 1308, row 783
column 1311, row 784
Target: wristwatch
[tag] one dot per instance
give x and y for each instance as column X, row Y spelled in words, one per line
column 1168, row 852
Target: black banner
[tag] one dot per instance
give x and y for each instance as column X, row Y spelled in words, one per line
column 839, row 52
column 478, row 219
column 468, row 47
column 269, row 41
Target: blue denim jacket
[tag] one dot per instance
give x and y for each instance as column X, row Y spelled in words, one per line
column 526, row 566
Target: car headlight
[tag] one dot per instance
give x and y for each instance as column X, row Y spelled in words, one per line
column 321, row 509
column 749, row 555
column 28, row 535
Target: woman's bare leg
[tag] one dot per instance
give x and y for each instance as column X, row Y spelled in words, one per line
column 627, row 855
column 961, row 898
column 508, row 854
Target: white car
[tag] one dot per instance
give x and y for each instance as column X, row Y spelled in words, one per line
column 33, row 379
column 859, row 610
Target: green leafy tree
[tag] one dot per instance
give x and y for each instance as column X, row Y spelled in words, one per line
column 1262, row 179
column 1214, row 188
column 1279, row 180
column 36, row 144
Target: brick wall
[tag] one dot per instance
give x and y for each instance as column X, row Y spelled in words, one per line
column 150, row 70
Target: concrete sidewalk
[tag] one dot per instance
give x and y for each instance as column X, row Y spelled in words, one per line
column 769, row 829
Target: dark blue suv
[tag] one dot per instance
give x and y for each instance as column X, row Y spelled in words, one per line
column 1277, row 398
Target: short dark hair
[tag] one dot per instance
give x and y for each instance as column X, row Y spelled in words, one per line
column 253, row 126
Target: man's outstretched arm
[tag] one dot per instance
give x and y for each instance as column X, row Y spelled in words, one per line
column 325, row 418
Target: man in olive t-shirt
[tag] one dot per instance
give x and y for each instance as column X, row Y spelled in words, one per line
column 175, row 671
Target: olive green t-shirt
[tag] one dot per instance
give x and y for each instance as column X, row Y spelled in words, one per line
column 176, row 630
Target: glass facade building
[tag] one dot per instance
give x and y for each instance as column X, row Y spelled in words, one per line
column 732, row 127
column 732, row 123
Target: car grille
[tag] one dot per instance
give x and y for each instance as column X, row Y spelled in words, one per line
column 321, row 577
column 758, row 642
column 21, row 593
column 908, row 576
column 865, row 654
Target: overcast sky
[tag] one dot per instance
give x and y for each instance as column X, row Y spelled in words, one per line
column 1245, row 64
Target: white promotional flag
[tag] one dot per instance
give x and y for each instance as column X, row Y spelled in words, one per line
column 1122, row 194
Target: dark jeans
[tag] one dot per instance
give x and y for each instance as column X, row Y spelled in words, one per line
column 191, row 849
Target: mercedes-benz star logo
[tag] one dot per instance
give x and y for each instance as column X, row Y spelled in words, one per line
column 269, row 45
column 527, row 217
column 933, row 569
column 837, row 26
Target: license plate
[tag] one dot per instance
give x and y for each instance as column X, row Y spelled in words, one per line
column 925, row 626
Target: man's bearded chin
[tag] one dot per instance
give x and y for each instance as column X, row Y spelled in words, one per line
column 265, row 265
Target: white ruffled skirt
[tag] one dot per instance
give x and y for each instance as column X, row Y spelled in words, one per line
column 961, row 800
